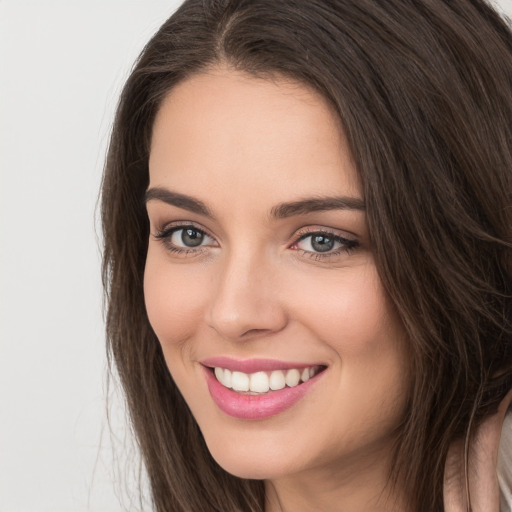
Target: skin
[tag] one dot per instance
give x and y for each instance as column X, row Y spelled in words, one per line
column 255, row 289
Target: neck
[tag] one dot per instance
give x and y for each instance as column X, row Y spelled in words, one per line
column 358, row 486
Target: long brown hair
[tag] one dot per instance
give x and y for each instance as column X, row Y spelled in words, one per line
column 423, row 89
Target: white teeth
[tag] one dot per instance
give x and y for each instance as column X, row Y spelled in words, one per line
column 240, row 381
column 219, row 373
column 262, row 382
column 223, row 376
column 292, row 378
column 259, row 382
column 227, row 378
column 277, row 380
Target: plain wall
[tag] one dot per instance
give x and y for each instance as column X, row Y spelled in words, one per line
column 62, row 64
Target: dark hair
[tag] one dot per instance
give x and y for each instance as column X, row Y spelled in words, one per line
column 423, row 89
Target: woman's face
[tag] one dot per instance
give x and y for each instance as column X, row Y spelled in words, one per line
column 260, row 281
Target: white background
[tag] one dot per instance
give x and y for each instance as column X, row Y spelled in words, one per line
column 62, row 65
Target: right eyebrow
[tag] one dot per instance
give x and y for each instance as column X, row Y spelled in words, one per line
column 179, row 200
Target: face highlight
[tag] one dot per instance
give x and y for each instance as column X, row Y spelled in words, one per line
column 260, row 282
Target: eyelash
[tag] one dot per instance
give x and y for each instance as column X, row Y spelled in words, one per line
column 347, row 244
column 165, row 235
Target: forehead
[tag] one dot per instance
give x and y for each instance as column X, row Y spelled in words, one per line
column 237, row 135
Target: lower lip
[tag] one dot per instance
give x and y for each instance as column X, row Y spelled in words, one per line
column 256, row 407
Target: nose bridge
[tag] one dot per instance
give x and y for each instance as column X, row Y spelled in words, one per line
column 245, row 301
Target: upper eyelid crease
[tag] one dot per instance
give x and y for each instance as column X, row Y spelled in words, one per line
column 330, row 234
column 337, row 233
column 348, row 243
column 167, row 231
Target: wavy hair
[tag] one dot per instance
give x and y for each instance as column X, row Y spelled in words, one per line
column 423, row 89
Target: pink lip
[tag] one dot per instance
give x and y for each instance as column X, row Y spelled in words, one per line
column 256, row 407
column 253, row 365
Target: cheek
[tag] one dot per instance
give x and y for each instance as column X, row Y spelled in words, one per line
column 347, row 310
column 174, row 302
column 352, row 315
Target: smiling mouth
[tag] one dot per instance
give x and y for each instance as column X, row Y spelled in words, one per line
column 264, row 382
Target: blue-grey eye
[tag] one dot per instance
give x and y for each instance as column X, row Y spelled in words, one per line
column 322, row 243
column 188, row 237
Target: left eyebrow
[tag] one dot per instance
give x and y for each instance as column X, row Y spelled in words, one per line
column 316, row 204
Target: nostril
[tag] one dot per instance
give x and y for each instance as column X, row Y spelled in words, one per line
column 255, row 332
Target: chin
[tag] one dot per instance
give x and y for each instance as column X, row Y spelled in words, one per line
column 255, row 459
column 251, row 469
column 248, row 471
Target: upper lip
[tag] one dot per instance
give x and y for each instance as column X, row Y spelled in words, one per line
column 253, row 365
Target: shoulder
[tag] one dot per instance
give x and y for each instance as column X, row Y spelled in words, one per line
column 489, row 466
column 505, row 463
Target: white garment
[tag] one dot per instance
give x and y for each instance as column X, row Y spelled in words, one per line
column 505, row 464
column 490, row 463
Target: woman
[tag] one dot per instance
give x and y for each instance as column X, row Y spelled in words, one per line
column 307, row 218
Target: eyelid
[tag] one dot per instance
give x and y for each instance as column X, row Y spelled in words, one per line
column 349, row 242
column 165, row 234
column 311, row 230
column 168, row 228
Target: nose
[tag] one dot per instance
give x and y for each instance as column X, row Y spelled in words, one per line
column 246, row 302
